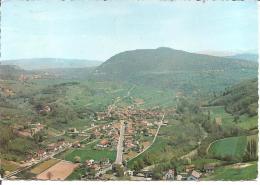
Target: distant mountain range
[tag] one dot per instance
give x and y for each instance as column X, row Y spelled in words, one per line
column 162, row 67
column 51, row 63
column 245, row 56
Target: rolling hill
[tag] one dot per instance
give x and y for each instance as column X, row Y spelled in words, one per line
column 245, row 56
column 9, row 72
column 51, row 63
column 169, row 68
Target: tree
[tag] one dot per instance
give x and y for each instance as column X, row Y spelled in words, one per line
column 2, row 172
column 49, row 175
column 119, row 170
column 77, row 159
column 136, row 166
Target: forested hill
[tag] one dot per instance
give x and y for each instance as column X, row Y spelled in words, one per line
column 169, row 68
column 240, row 99
column 165, row 60
column 9, row 72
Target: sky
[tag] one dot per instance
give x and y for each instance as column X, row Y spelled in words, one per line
column 97, row 30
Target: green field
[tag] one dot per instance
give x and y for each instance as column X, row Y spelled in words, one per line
column 175, row 139
column 248, row 122
column 231, row 173
column 88, row 153
column 233, row 147
column 219, row 111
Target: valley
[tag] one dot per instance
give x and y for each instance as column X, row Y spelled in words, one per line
column 141, row 115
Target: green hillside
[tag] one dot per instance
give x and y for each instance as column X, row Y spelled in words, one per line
column 169, row 68
column 9, row 72
column 240, row 99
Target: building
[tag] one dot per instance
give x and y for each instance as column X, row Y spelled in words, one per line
column 194, row 176
column 179, row 178
column 169, row 175
column 129, row 173
column 209, row 168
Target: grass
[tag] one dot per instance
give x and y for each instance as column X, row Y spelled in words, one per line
column 89, row 153
column 76, row 174
column 173, row 140
column 232, row 174
column 43, row 166
column 219, row 111
column 229, row 147
column 9, row 165
column 245, row 121
column 248, row 122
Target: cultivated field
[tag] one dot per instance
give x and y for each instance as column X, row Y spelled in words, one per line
column 59, row 171
column 44, row 166
column 232, row 147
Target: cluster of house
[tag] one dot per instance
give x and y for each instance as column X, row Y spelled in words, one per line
column 28, row 131
column 24, row 78
column 190, row 174
column 97, row 165
column 51, row 149
column 6, row 91
column 136, row 121
column 75, row 132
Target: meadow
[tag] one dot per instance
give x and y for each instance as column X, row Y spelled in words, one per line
column 88, row 152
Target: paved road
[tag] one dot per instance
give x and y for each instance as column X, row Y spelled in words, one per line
column 120, row 145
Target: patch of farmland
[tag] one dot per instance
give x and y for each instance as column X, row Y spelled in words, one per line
column 44, row 166
column 229, row 147
column 60, row 171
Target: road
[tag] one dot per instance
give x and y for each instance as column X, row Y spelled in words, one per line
column 34, row 163
column 120, row 145
column 154, row 139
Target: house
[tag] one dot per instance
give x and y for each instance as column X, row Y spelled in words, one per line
column 40, row 153
column 218, row 121
column 189, row 167
column 179, row 178
column 52, row 147
column 129, row 173
column 194, row 176
column 169, row 175
column 89, row 162
column 76, row 145
column 103, row 143
column 209, row 168
column 105, row 161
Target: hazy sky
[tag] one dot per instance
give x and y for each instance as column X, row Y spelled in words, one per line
column 98, row 30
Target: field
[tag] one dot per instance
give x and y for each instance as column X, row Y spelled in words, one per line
column 175, row 139
column 245, row 121
column 248, row 122
column 219, row 111
column 229, row 147
column 88, row 153
column 44, row 166
column 246, row 171
column 59, row 171
column 9, row 165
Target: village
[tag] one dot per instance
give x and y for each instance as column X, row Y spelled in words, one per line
column 128, row 131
